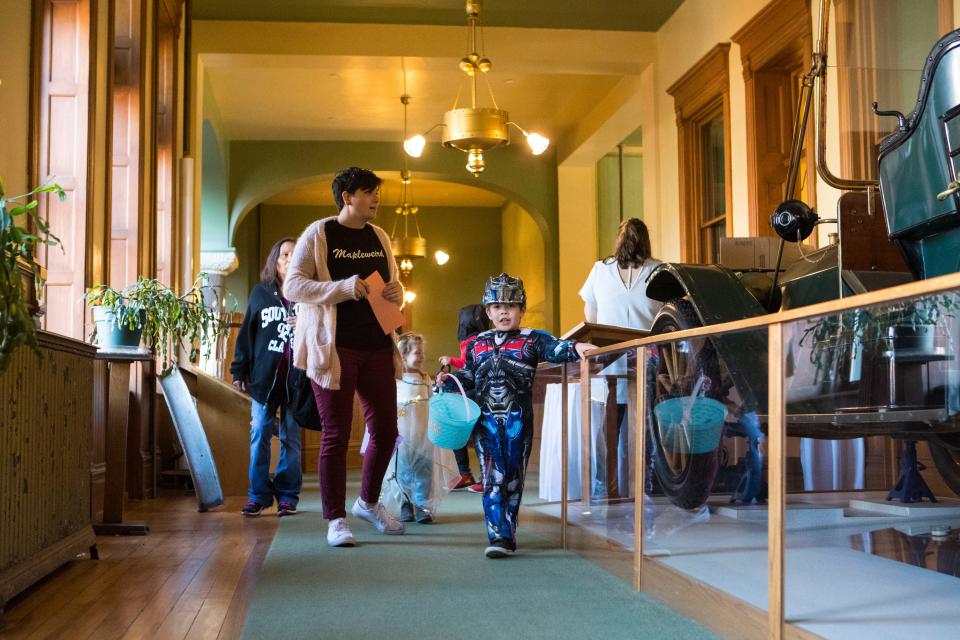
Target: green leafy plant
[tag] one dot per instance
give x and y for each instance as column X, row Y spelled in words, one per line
column 834, row 336
column 21, row 230
column 168, row 320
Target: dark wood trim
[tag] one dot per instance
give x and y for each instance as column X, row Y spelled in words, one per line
column 945, row 16
column 699, row 86
column 92, row 85
column 780, row 36
column 107, row 228
column 781, row 30
column 65, row 344
column 700, row 95
column 33, row 129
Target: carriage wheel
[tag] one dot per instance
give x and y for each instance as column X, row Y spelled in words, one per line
column 686, row 478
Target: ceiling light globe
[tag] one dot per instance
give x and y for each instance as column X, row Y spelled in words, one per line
column 484, row 65
column 414, row 145
column 409, row 296
column 466, row 65
column 538, row 143
column 442, row 257
column 475, row 162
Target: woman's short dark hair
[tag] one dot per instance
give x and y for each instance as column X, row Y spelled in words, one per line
column 269, row 273
column 472, row 320
column 633, row 244
column 350, row 180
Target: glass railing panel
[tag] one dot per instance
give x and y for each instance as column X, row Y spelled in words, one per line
column 600, row 463
column 872, row 400
column 705, row 518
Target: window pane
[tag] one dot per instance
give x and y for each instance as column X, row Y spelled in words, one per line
column 710, row 237
column 714, row 180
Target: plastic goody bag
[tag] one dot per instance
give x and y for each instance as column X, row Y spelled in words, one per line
column 420, row 472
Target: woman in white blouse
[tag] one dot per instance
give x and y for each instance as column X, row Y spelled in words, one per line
column 615, row 294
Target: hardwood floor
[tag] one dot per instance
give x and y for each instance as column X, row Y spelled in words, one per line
column 191, row 577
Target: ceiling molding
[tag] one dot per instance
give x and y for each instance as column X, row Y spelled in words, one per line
column 562, row 14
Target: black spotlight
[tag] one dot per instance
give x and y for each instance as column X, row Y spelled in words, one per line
column 794, row 220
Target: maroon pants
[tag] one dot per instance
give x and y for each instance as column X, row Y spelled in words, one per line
column 371, row 375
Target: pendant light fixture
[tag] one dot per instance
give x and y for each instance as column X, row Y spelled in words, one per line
column 474, row 129
column 406, row 247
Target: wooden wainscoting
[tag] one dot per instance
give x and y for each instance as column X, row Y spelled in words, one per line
column 46, row 420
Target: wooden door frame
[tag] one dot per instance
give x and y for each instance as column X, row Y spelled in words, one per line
column 698, row 96
column 780, row 33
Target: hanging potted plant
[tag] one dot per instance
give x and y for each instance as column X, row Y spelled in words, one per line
column 151, row 312
column 21, row 278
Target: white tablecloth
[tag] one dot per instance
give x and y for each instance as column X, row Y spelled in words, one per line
column 550, row 442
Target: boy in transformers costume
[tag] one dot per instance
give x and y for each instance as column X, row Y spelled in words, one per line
column 498, row 374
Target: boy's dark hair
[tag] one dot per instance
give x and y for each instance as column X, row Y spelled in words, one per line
column 472, row 320
column 633, row 244
column 269, row 273
column 350, row 180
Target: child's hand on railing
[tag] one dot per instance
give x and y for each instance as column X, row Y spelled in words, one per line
column 582, row 348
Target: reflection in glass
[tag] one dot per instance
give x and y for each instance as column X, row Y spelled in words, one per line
column 881, row 46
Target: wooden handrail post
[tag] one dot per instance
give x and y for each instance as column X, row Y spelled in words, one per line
column 640, row 468
column 564, row 453
column 777, row 461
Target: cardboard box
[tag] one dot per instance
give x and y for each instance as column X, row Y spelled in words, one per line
column 756, row 253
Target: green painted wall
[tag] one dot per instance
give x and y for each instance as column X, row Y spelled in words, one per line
column 472, row 237
column 214, row 214
column 260, row 169
column 608, row 197
column 247, row 245
column 523, row 257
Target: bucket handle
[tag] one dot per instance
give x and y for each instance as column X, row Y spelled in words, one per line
column 463, row 394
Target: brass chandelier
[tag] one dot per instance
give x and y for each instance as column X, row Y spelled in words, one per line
column 406, row 248
column 474, row 129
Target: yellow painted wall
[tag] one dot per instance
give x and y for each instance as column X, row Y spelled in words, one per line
column 14, row 93
column 695, row 28
column 523, row 256
column 578, row 238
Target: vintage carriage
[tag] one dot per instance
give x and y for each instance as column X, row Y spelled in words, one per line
column 916, row 206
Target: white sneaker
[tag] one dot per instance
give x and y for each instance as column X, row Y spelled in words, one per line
column 497, row 551
column 377, row 516
column 339, row 535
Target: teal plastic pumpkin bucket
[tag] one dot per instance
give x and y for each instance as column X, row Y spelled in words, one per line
column 690, row 425
column 452, row 418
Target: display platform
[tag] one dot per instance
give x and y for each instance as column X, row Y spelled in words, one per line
column 854, row 568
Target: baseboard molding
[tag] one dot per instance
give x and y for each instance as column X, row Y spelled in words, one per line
column 24, row 574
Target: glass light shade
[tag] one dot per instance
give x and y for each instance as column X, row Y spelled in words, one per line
column 406, row 265
column 409, row 296
column 442, row 257
column 538, row 143
column 414, row 145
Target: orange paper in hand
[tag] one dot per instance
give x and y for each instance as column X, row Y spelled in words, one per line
column 388, row 314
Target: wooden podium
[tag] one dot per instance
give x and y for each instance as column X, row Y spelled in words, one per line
column 600, row 335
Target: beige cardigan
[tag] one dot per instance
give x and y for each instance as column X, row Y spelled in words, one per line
column 308, row 282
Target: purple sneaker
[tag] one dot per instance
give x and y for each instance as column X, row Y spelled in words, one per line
column 286, row 509
column 252, row 509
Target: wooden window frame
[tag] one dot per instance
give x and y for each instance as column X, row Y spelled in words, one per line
column 780, row 33
column 699, row 96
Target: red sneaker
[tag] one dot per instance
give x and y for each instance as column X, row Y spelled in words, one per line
column 465, row 482
column 476, row 487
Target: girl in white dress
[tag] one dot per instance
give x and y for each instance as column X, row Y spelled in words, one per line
column 420, row 474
